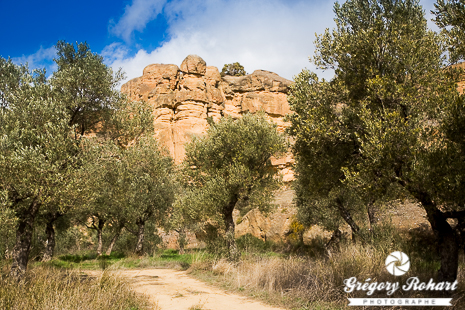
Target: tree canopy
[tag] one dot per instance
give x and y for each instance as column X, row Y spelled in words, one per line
column 37, row 154
column 450, row 17
column 230, row 168
column 377, row 130
column 126, row 187
column 44, row 122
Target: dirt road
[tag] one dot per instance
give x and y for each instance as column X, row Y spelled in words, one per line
column 175, row 290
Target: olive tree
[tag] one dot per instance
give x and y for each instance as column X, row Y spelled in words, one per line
column 37, row 153
column 450, row 17
column 126, row 187
column 96, row 111
column 43, row 125
column 230, row 169
column 387, row 123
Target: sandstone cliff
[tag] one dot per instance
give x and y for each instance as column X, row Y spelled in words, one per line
column 182, row 99
column 461, row 84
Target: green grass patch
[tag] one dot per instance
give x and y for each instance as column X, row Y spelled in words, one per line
column 162, row 259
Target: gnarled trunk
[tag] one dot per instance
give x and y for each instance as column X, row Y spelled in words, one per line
column 347, row 218
column 335, row 238
column 140, row 237
column 182, row 240
column 101, row 223
column 230, row 229
column 24, row 232
column 371, row 216
column 114, row 239
column 50, row 242
column 448, row 245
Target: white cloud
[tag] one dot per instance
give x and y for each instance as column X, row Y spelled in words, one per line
column 43, row 58
column 274, row 35
column 135, row 17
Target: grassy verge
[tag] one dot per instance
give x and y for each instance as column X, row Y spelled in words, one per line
column 165, row 259
column 302, row 283
column 306, row 277
column 315, row 280
column 45, row 287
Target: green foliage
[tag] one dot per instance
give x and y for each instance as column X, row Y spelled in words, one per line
column 234, row 69
column 136, row 181
column 387, row 124
column 76, row 258
column 85, row 85
column 450, row 17
column 230, row 168
column 152, row 240
column 364, row 130
column 36, row 151
column 125, row 243
column 127, row 187
column 7, row 231
column 251, row 244
column 72, row 240
column 44, row 124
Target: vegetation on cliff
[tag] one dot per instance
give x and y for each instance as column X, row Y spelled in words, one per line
column 234, row 69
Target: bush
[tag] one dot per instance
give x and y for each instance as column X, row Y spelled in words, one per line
column 234, row 69
column 250, row 243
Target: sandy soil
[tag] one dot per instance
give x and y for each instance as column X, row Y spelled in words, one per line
column 175, row 290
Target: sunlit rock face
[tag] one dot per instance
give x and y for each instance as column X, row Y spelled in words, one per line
column 461, row 85
column 184, row 97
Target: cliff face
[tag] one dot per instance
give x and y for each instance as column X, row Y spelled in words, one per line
column 461, row 84
column 183, row 98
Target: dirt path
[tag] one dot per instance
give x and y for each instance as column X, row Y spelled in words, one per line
column 175, row 290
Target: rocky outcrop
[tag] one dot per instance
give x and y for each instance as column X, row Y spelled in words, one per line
column 272, row 227
column 183, row 98
column 461, row 84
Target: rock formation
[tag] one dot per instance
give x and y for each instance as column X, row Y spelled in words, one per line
column 183, row 98
column 273, row 227
column 461, row 84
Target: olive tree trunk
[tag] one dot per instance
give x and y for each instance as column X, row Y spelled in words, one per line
column 347, row 218
column 22, row 246
column 101, row 223
column 230, row 229
column 50, row 242
column 114, row 239
column 447, row 239
column 140, row 237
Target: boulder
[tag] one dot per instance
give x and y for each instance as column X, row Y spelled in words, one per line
column 194, row 64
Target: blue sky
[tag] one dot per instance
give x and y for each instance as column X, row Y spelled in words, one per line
column 274, row 35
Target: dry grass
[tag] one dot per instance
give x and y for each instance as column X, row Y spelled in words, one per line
column 198, row 306
column 317, row 283
column 51, row 288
